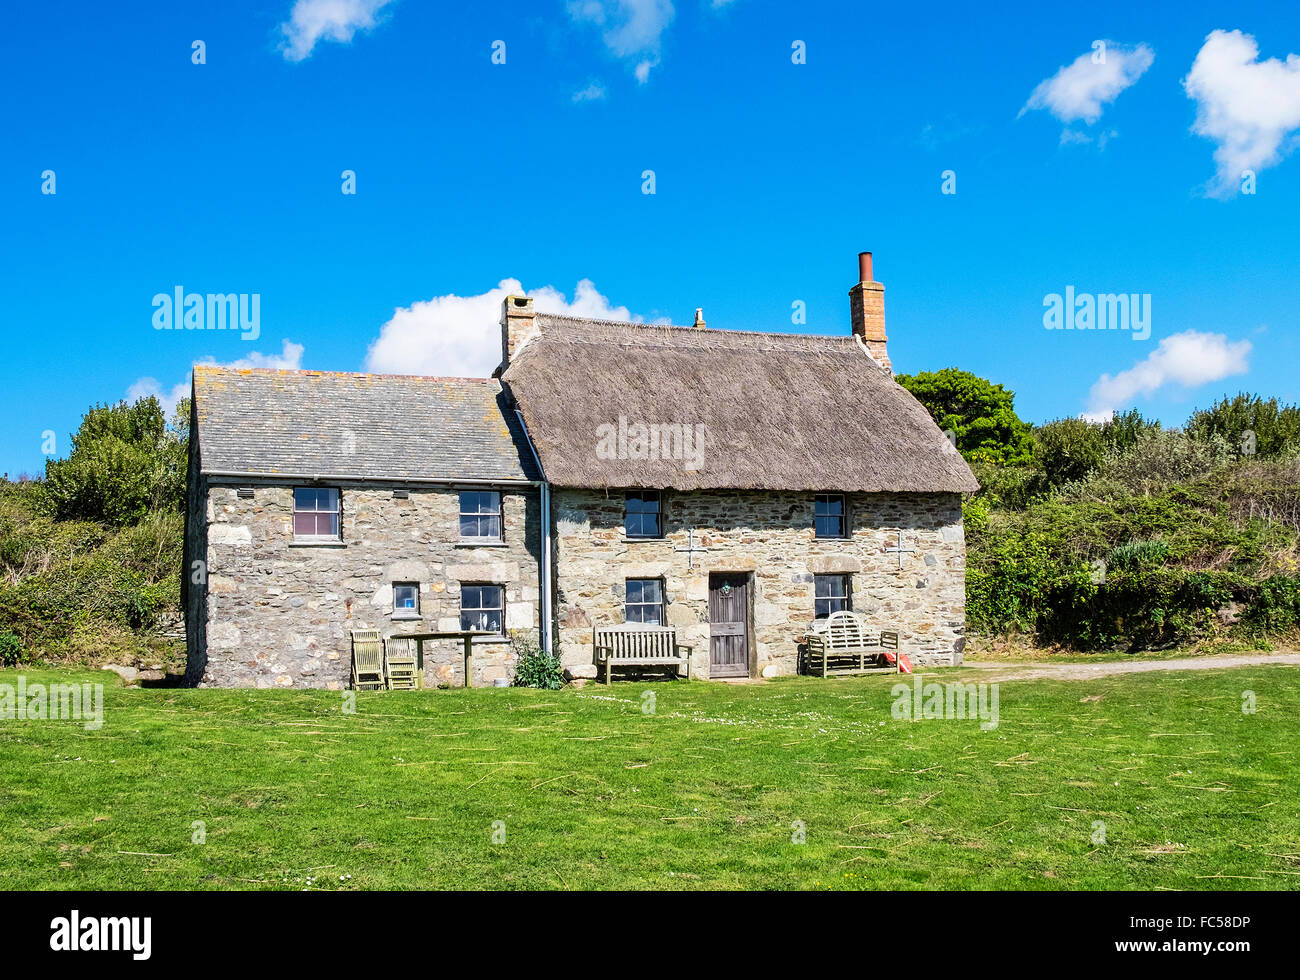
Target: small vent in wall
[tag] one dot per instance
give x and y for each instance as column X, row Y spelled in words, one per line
column 401, row 494
column 244, row 493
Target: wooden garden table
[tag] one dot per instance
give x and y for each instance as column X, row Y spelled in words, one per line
column 466, row 635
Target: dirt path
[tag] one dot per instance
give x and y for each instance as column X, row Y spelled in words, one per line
column 1083, row 672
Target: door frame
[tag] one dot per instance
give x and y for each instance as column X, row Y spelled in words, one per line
column 751, row 651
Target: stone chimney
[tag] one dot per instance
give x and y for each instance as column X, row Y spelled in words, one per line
column 516, row 325
column 699, row 318
column 867, row 310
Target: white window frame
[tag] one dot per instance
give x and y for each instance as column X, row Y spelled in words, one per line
column 401, row 612
column 478, row 609
column 336, row 498
column 846, row 597
column 661, row 604
column 478, row 515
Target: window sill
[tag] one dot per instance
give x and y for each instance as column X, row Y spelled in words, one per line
column 632, row 540
column 406, row 617
column 317, row 543
column 484, row 543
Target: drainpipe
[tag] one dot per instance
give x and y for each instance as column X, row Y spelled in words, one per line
column 544, row 574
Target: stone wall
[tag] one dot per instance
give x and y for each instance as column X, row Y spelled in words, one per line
column 276, row 613
column 769, row 535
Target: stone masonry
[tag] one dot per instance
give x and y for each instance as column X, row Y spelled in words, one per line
column 276, row 613
column 769, row 535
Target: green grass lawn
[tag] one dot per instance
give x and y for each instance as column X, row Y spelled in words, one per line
column 591, row 792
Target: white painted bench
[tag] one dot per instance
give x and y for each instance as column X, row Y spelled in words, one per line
column 840, row 644
column 637, row 645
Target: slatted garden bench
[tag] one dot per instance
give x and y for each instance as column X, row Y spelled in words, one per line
column 636, row 645
column 840, row 644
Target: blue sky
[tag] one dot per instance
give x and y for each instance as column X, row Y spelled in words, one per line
column 769, row 177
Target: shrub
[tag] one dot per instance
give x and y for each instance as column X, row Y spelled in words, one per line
column 1157, row 458
column 1009, row 487
column 125, row 463
column 1275, row 606
column 1068, row 449
column 534, row 667
column 11, row 649
column 1276, row 427
column 1132, row 555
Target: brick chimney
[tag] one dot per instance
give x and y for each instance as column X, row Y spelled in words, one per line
column 867, row 310
column 516, row 325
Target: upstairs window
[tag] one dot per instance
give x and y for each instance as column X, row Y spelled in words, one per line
column 482, row 607
column 831, row 595
column 480, row 515
column 315, row 514
column 828, row 515
column 645, row 601
column 641, row 515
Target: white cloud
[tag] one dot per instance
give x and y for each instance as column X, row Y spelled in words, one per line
column 1247, row 106
column 334, row 20
column 594, row 92
column 460, row 336
column 631, row 29
column 289, row 359
column 1079, row 89
column 1189, row 359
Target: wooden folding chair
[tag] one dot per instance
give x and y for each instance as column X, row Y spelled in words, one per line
column 367, row 661
column 399, row 659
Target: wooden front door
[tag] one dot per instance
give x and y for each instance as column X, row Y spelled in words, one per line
column 728, row 625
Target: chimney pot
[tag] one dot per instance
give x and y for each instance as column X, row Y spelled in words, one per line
column 699, row 318
column 516, row 326
column 867, row 312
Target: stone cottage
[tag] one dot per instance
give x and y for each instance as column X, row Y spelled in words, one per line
column 733, row 484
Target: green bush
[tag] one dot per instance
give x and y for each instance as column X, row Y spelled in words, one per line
column 1276, row 427
column 11, row 649
column 1275, row 607
column 534, row 667
column 1133, row 555
column 1149, row 609
column 1156, row 458
column 1068, row 449
column 125, row 463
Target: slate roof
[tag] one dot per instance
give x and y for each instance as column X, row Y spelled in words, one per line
column 373, row 426
column 780, row 411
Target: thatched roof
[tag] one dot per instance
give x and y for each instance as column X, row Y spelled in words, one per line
column 382, row 427
column 780, row 411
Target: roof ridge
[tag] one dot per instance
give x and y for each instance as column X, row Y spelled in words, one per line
column 306, row 372
column 702, row 332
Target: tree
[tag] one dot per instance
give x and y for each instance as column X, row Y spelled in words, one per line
column 125, row 462
column 1068, row 449
column 1276, row 427
column 981, row 414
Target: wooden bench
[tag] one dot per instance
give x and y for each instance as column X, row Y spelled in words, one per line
column 840, row 644
column 636, row 645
